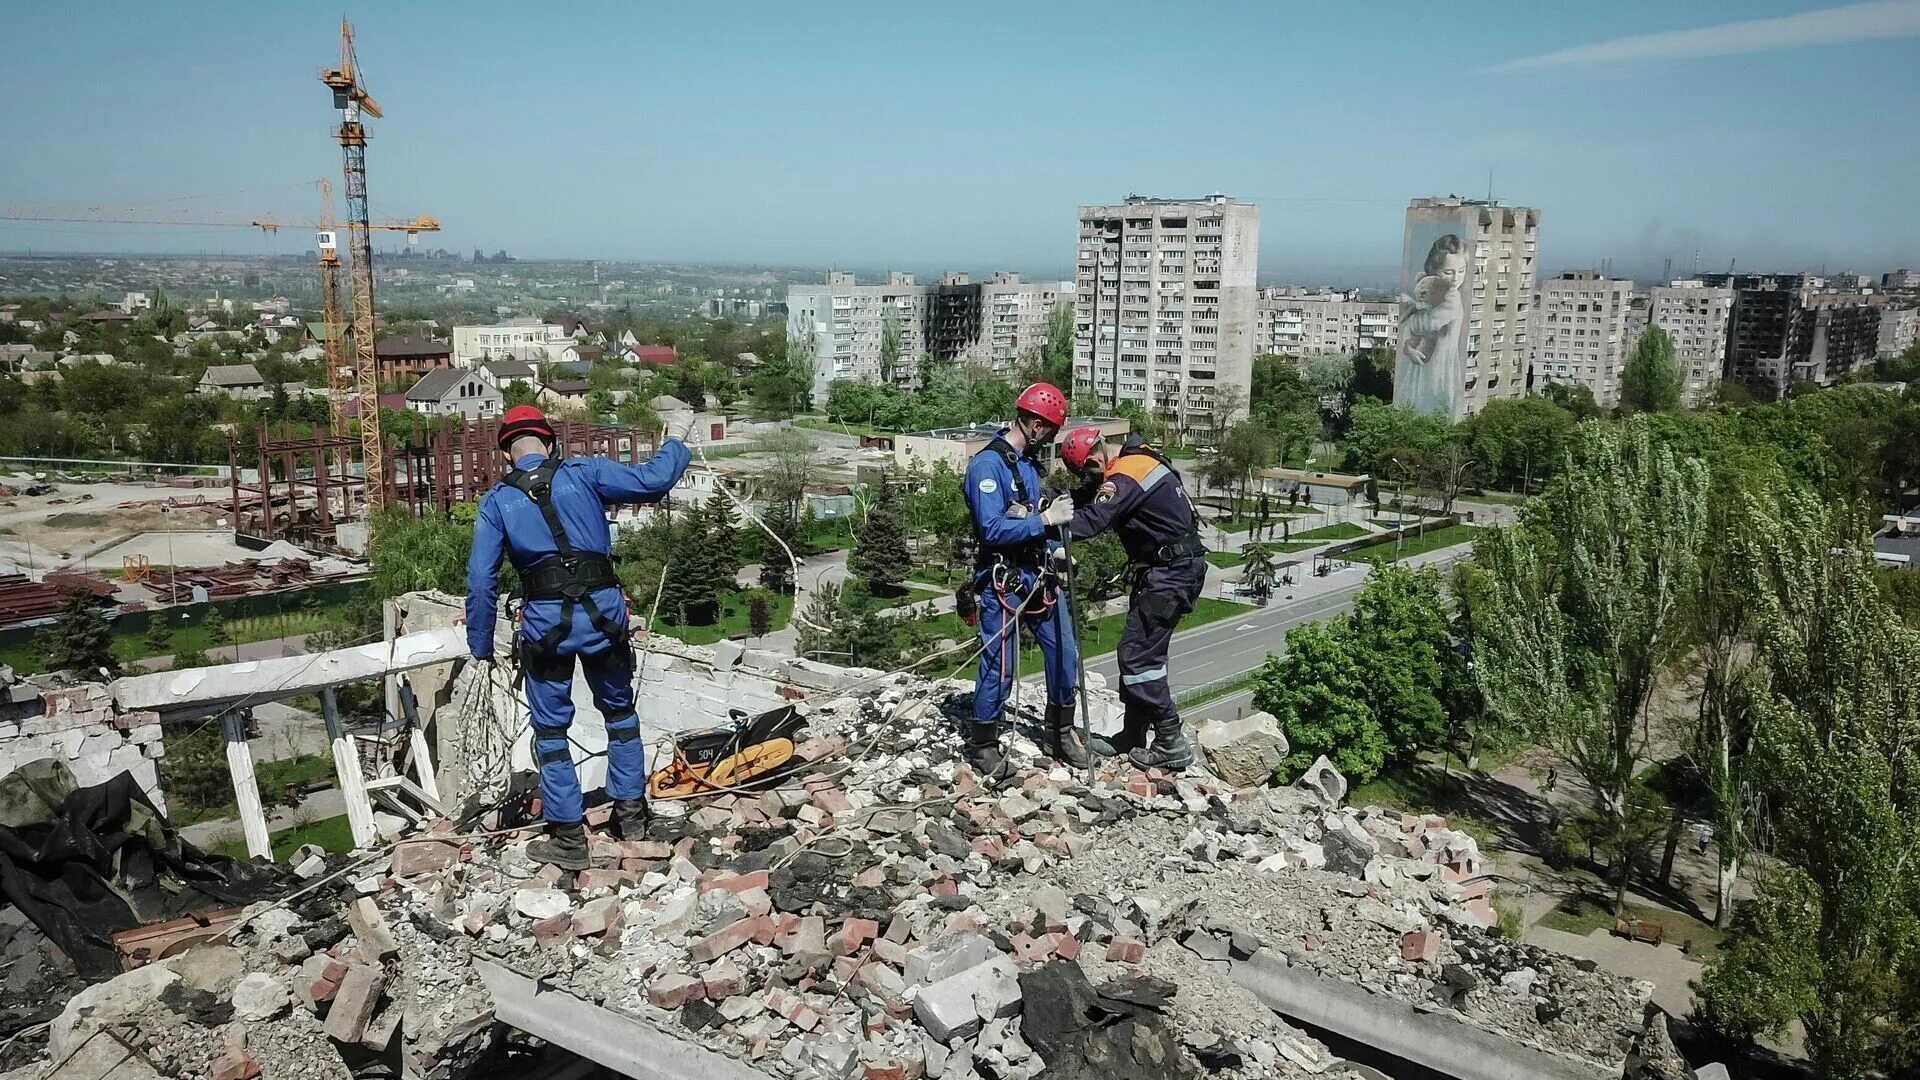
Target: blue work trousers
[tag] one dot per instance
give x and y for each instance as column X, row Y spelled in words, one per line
column 549, row 680
column 1051, row 626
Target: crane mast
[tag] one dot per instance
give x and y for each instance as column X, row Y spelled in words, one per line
column 352, row 100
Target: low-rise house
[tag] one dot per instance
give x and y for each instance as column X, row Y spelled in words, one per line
column 410, row 357
column 683, row 421
column 233, row 380
column 456, row 391
column 565, row 392
column 657, row 355
column 507, row 373
column 1316, row 488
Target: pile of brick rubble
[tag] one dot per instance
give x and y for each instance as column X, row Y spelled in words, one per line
column 884, row 916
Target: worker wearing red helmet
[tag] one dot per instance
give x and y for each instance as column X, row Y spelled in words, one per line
column 549, row 516
column 1011, row 521
column 1136, row 491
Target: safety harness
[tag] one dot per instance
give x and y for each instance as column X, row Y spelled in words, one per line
column 1189, row 546
column 985, row 557
column 568, row 576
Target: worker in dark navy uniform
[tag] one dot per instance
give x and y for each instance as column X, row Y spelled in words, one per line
column 1136, row 491
column 1017, row 580
column 549, row 515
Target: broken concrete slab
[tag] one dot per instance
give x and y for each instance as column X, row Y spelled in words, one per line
column 1244, row 752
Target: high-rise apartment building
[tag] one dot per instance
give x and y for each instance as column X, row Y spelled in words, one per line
column 1788, row 328
column 993, row 322
column 1695, row 316
column 1164, row 308
column 1295, row 322
column 1580, row 333
column 1467, row 283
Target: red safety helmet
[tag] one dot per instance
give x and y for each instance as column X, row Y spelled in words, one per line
column 1045, row 401
column 524, row 420
column 1078, row 446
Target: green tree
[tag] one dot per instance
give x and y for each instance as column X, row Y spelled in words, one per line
column 723, row 538
column 1516, row 440
column 1378, row 433
column 159, row 635
column 1587, row 596
column 1840, row 730
column 880, row 556
column 791, row 462
column 759, row 621
column 412, row 554
column 79, row 640
column 776, row 570
column 1330, row 378
column 890, row 346
column 1399, row 637
column 1257, row 568
column 819, row 635
column 519, row 392
column 1318, row 694
column 215, row 627
column 637, row 412
column 191, row 658
column 1652, row 380
column 1576, row 398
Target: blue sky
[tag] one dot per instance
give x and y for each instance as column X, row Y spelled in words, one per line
column 964, row 135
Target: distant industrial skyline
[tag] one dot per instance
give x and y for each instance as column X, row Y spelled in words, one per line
column 1769, row 132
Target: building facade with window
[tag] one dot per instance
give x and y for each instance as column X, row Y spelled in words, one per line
column 1165, row 309
column 1580, row 333
column 991, row 323
column 1293, row 321
column 1695, row 315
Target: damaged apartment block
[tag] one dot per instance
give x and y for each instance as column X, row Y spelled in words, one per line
column 875, row 913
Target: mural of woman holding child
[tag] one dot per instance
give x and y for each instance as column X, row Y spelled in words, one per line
column 1429, row 367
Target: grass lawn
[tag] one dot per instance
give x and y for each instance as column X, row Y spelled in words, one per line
column 933, row 575
column 1587, row 911
column 1339, row 530
column 733, row 618
column 821, row 423
column 1227, row 560
column 272, row 777
column 331, row 833
column 1434, row 540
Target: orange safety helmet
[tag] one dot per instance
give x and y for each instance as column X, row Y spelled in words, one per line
column 524, row 420
column 1078, row 446
column 1045, row 401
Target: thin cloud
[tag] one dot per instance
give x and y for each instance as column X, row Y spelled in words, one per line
column 1873, row 21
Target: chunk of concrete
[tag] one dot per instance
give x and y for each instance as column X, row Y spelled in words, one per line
column 1244, row 752
column 260, row 997
column 943, row 958
column 957, row 1006
column 370, row 931
column 1324, row 781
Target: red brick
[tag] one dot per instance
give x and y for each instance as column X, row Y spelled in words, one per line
column 353, row 1007
column 756, row 901
column 655, row 850
column 890, row 952
column 832, row 800
column 1126, row 950
column 637, row 867
column 554, row 931
column 1311, row 943
column 724, row 980
column 945, row 887
column 1067, row 948
column 601, row 878
column 726, row 939
column 422, row 857
column 810, row 936
column 596, row 917
column 739, row 883
column 990, row 847
column 235, row 1065
column 672, row 990
column 886, row 1072
column 871, row 877
column 793, row 1009
column 1421, row 946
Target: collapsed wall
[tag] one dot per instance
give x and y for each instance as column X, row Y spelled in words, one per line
column 41, row 718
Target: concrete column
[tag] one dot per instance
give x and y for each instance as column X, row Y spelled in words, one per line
column 346, row 766
column 246, row 793
column 390, row 683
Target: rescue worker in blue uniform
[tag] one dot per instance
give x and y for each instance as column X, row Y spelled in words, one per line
column 1017, row 579
column 549, row 516
column 1136, row 491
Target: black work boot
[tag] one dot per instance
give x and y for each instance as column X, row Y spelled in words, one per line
column 631, row 818
column 1063, row 737
column 983, row 752
column 1131, row 736
column 564, row 846
column 1170, row 749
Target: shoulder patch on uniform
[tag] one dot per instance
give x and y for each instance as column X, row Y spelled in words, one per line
column 1106, row 493
column 989, row 485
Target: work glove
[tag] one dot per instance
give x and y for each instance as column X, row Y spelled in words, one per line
column 1059, row 511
